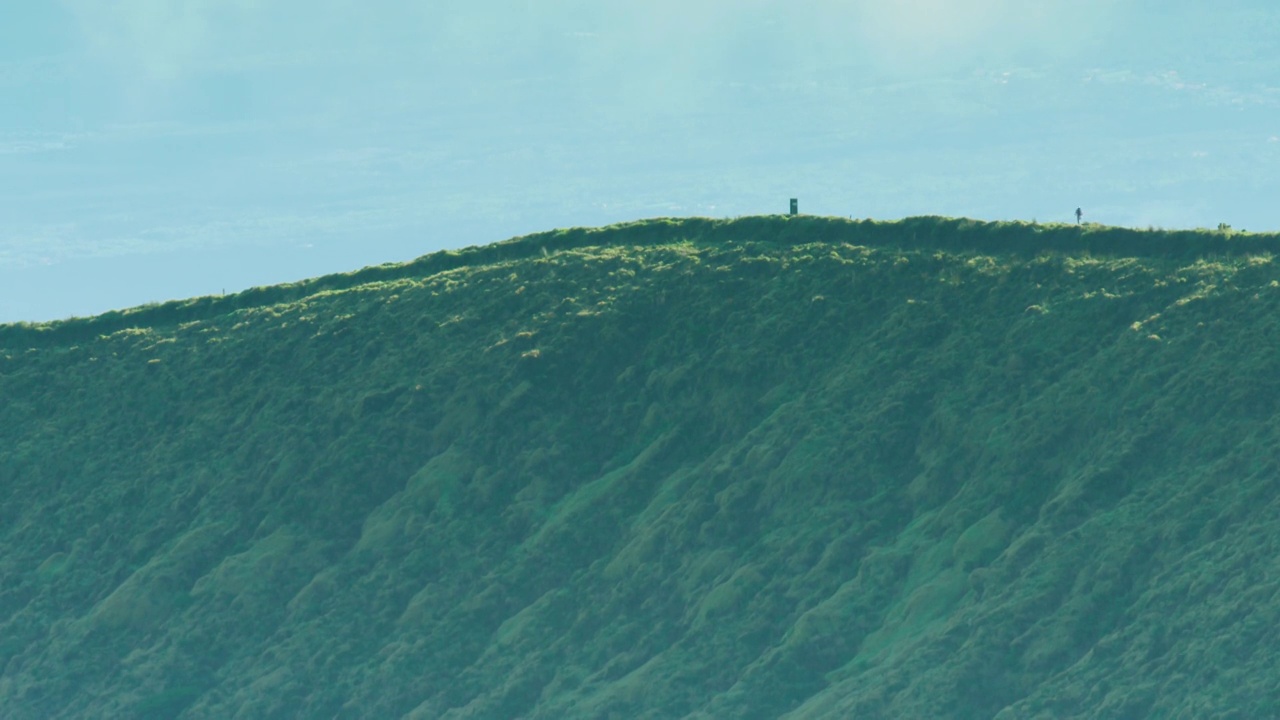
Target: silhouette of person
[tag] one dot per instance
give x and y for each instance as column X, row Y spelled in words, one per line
column 1079, row 214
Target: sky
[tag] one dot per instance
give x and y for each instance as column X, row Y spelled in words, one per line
column 162, row 149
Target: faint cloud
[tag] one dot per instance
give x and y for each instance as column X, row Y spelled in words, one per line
column 162, row 41
column 54, row 243
column 160, row 38
column 43, row 245
column 30, row 71
column 914, row 35
column 1171, row 80
column 1005, row 77
column 23, row 143
column 1174, row 82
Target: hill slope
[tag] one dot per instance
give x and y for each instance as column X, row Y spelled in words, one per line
column 773, row 467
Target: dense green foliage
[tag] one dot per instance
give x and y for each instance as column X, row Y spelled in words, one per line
column 769, row 467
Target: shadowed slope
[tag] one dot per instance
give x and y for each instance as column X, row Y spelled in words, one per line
column 800, row 467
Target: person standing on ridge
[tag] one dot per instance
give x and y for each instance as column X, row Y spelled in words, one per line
column 1079, row 214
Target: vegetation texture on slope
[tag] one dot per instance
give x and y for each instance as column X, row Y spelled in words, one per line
column 772, row 467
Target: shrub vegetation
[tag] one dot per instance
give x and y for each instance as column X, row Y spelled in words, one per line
column 774, row 466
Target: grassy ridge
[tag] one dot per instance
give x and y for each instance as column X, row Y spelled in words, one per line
column 921, row 233
column 754, row 468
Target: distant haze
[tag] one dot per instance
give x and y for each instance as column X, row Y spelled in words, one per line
column 156, row 149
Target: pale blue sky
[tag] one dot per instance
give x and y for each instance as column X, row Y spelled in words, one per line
column 158, row 149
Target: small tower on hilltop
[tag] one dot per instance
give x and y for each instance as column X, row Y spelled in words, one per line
column 795, row 206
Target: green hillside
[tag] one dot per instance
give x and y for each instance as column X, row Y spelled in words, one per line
column 769, row 467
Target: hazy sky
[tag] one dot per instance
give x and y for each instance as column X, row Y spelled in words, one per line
column 157, row 149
